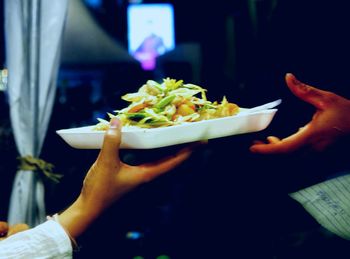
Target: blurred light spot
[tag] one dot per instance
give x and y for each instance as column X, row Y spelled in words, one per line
column 94, row 3
column 133, row 235
column 135, row 1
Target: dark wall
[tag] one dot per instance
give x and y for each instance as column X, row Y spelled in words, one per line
column 223, row 202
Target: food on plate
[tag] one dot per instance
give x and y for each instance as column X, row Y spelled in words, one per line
column 168, row 103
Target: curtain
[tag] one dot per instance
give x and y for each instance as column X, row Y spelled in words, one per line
column 33, row 32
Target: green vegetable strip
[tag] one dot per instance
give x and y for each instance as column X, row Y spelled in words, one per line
column 165, row 101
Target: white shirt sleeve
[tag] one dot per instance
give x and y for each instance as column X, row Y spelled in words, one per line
column 329, row 203
column 47, row 240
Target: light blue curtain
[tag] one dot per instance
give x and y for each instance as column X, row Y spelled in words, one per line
column 33, row 32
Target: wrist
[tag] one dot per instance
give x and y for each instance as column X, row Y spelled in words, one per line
column 77, row 218
column 74, row 243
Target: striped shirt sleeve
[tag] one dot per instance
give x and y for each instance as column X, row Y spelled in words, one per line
column 47, row 240
column 329, row 203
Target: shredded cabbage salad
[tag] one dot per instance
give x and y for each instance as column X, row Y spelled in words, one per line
column 168, row 103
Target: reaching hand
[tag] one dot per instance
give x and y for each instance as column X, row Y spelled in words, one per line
column 330, row 121
column 109, row 179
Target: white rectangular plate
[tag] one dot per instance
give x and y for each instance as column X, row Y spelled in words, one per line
column 139, row 138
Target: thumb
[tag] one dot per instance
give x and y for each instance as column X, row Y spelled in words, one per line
column 305, row 92
column 111, row 142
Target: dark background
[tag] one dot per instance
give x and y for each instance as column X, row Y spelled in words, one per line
column 223, row 202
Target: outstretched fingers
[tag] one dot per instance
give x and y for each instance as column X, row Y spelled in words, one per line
column 286, row 145
column 152, row 170
column 305, row 92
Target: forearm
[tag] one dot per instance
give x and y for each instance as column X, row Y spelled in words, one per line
column 77, row 218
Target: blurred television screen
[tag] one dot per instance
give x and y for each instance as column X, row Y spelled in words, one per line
column 151, row 32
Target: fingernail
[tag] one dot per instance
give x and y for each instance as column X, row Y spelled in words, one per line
column 301, row 86
column 294, row 79
column 297, row 82
column 114, row 123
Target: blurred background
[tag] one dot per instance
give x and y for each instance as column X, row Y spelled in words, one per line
column 223, row 202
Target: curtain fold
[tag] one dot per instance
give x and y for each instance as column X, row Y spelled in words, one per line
column 33, row 36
